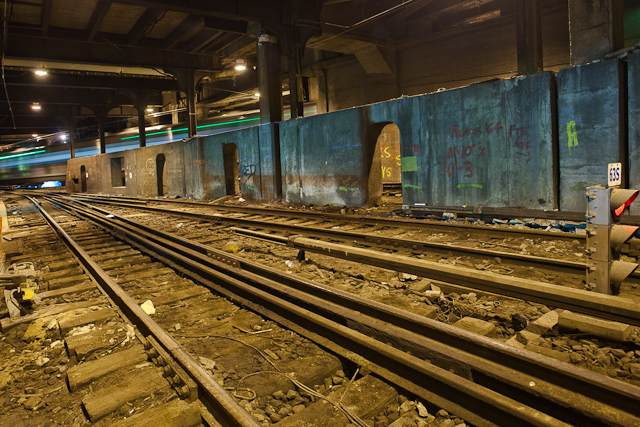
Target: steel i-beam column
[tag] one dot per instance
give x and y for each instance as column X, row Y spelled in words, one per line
column 142, row 132
column 529, row 36
column 269, row 79
column 191, row 102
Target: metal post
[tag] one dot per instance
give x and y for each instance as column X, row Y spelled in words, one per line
column 269, row 79
column 296, row 106
column 142, row 132
column 529, row 36
column 191, row 102
column 102, row 144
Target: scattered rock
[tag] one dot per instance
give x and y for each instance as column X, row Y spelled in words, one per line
column 32, row 403
column 422, row 411
column 518, row 321
column 5, row 379
column 207, row 363
column 233, row 247
column 148, row 307
column 407, row 406
column 279, row 395
column 404, row 277
column 298, row 408
column 42, row 360
column 442, row 414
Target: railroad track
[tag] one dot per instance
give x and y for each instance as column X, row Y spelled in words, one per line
column 509, row 385
column 525, row 257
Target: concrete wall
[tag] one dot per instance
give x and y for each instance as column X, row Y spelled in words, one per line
column 591, row 127
column 479, row 145
column 532, row 142
column 193, row 169
column 323, row 159
column 205, row 179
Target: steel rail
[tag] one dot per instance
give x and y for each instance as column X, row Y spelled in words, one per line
column 367, row 239
column 563, row 388
column 222, row 406
column 605, row 306
column 360, row 219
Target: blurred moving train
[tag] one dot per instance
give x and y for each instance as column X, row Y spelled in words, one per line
column 39, row 165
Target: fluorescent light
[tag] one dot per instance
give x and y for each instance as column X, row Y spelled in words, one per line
column 36, row 106
column 40, row 72
column 241, row 65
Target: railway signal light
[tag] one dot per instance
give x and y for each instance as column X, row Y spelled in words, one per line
column 605, row 237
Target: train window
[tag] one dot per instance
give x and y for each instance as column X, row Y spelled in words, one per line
column 118, row 174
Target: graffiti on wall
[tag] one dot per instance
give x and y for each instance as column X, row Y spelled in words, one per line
column 467, row 154
column 389, row 146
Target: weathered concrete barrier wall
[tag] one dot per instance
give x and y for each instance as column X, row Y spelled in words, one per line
column 198, row 168
column 591, row 127
column 532, row 142
column 132, row 172
column 480, row 145
column 235, row 162
column 323, row 159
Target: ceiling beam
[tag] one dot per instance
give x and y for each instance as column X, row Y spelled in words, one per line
column 56, row 96
column 87, row 81
column 148, row 19
column 229, row 26
column 24, row 45
column 240, row 10
column 98, row 15
column 203, row 39
column 184, row 31
column 46, row 16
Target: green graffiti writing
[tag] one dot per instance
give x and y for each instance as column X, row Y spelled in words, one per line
column 572, row 134
column 477, row 185
column 412, row 187
column 409, row 164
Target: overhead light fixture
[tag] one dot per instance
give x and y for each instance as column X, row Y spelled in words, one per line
column 149, row 109
column 241, row 65
column 40, row 72
column 256, row 95
column 34, row 135
column 36, row 106
column 64, row 137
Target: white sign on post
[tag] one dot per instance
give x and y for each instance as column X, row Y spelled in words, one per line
column 614, row 174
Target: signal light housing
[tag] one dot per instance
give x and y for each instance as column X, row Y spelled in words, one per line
column 621, row 199
column 605, row 238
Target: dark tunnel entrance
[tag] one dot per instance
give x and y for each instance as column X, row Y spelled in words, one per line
column 83, row 179
column 160, row 166
column 231, row 169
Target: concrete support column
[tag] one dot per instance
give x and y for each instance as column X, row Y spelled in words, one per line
column 269, row 79
column 71, row 138
column 191, row 102
column 528, row 36
column 142, row 132
column 101, row 113
column 596, row 28
column 102, row 144
column 297, row 107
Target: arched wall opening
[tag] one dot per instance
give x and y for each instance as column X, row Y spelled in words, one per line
column 83, row 179
column 161, row 172
column 385, row 173
column 231, row 169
